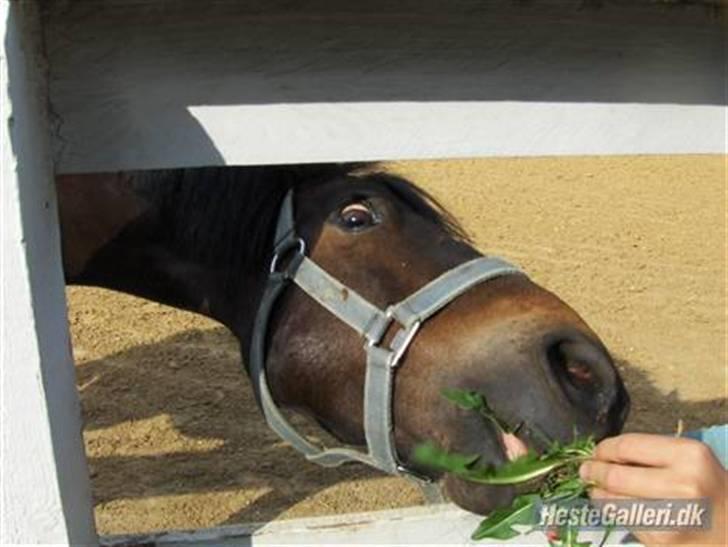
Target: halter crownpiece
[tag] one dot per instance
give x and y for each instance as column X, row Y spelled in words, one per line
column 371, row 323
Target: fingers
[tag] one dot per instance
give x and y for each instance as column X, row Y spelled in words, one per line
column 641, row 449
column 597, row 493
column 623, row 480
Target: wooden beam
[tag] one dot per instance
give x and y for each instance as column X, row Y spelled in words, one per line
column 164, row 84
column 46, row 496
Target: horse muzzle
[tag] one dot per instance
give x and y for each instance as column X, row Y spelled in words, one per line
column 540, row 368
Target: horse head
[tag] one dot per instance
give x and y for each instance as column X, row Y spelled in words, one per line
column 204, row 240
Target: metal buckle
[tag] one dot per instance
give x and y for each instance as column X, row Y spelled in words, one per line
column 402, row 470
column 401, row 342
column 285, row 248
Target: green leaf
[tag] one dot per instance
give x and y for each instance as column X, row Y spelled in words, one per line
column 584, row 447
column 569, row 537
column 472, row 400
column 523, row 469
column 499, row 523
column 566, row 488
column 431, row 455
column 467, row 400
column 558, row 467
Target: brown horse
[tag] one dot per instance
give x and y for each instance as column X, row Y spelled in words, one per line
column 202, row 240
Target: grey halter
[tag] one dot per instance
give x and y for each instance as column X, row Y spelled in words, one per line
column 371, row 323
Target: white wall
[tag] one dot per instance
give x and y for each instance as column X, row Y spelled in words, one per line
column 431, row 525
column 45, row 487
column 151, row 84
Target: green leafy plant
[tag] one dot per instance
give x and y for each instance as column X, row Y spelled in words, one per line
column 549, row 477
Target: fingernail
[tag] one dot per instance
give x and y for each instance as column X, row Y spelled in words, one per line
column 584, row 470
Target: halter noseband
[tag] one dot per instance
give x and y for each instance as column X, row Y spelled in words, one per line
column 371, row 323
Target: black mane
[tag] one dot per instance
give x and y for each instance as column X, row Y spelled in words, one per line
column 225, row 216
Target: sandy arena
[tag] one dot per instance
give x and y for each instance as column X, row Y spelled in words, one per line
column 635, row 244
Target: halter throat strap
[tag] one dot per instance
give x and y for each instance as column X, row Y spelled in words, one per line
column 371, row 323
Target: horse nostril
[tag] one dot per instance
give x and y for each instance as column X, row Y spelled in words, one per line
column 579, row 373
column 567, row 368
column 578, row 365
column 585, row 374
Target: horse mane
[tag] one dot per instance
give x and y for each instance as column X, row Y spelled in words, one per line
column 233, row 225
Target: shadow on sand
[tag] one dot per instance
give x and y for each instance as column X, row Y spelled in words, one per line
column 196, row 379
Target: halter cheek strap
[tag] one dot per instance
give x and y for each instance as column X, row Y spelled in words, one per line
column 371, row 323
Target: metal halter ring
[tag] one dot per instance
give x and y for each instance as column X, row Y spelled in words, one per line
column 286, row 248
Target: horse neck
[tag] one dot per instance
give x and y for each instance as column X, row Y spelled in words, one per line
column 113, row 236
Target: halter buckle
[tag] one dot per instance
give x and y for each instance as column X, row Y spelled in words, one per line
column 400, row 342
column 402, row 470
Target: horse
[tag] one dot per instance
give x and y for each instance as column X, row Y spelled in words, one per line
column 212, row 240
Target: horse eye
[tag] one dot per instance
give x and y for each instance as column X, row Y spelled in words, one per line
column 357, row 216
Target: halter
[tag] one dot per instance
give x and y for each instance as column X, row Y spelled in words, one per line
column 371, row 323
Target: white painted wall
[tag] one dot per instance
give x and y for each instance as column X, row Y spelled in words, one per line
column 45, row 486
column 432, row 525
column 396, row 130
column 166, row 84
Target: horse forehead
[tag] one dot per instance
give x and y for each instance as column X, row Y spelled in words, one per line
column 344, row 187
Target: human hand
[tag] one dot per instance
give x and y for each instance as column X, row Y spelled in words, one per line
column 635, row 465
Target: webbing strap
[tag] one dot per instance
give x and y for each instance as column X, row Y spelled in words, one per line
column 345, row 303
column 437, row 294
column 286, row 221
column 275, row 419
column 378, row 425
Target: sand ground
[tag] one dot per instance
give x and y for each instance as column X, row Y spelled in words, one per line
column 635, row 244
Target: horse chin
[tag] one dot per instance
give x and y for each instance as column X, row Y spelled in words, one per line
column 483, row 498
column 477, row 498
